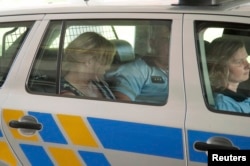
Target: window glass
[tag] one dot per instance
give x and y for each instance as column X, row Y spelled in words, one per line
column 117, row 60
column 224, row 56
column 12, row 36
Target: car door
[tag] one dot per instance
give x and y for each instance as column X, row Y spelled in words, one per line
column 207, row 127
column 15, row 32
column 45, row 128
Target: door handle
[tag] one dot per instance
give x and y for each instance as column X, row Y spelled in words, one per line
column 203, row 146
column 25, row 125
column 215, row 143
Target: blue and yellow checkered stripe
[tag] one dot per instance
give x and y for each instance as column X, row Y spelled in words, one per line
column 6, row 155
column 75, row 140
column 62, row 140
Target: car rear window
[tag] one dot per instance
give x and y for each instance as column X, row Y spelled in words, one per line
column 133, row 75
column 12, row 36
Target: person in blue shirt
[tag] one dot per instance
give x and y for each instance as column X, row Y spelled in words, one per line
column 228, row 67
column 145, row 79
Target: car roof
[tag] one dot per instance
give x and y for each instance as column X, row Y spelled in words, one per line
column 230, row 7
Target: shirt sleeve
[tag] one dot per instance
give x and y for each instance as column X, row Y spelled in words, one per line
column 226, row 103
column 129, row 78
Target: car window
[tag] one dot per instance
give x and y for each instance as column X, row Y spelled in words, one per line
column 109, row 32
column 12, row 36
column 117, row 60
column 224, row 50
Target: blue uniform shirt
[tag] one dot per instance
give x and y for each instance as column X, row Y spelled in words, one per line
column 231, row 101
column 140, row 82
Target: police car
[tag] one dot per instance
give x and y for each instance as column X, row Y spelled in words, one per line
column 39, row 126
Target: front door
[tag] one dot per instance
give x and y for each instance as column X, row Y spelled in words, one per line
column 208, row 125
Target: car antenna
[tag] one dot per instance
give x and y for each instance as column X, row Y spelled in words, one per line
column 86, row 1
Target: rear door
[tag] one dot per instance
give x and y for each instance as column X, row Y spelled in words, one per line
column 50, row 129
column 207, row 127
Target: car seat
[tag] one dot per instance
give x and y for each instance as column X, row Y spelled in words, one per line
column 124, row 52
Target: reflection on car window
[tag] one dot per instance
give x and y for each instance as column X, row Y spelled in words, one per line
column 225, row 66
column 125, row 60
column 12, row 36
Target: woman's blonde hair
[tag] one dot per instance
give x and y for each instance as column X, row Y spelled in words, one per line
column 219, row 53
column 90, row 44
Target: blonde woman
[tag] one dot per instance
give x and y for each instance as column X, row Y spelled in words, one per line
column 85, row 62
column 228, row 68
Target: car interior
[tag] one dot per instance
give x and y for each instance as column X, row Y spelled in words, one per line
column 46, row 74
column 44, row 77
column 237, row 31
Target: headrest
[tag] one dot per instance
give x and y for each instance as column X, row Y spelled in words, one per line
column 124, row 51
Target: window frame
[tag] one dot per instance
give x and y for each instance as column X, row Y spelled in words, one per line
column 201, row 53
column 9, row 53
column 62, row 46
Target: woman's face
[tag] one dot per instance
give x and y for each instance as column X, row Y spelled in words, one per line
column 238, row 66
column 100, row 69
